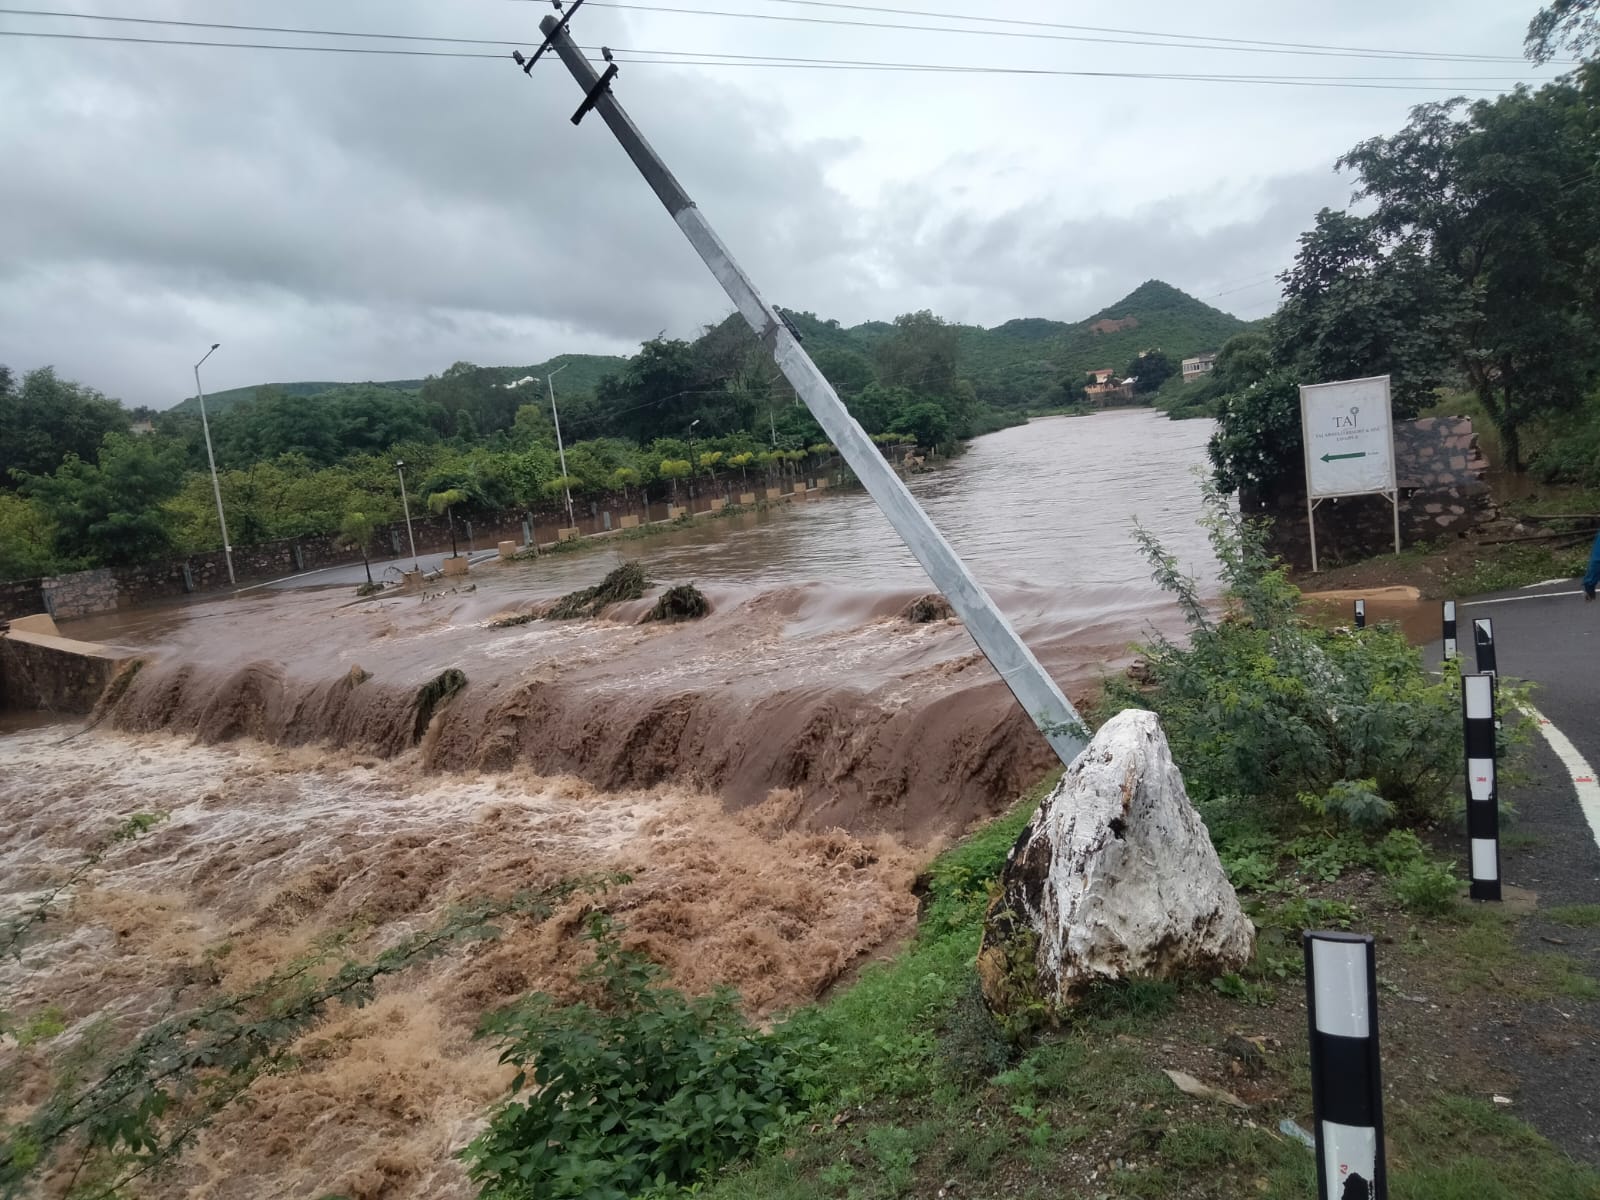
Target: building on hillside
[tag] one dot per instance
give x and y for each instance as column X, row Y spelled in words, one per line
column 1106, row 389
column 1199, row 365
column 141, row 428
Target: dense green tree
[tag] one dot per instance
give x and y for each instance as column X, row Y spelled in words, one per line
column 27, row 538
column 110, row 511
column 921, row 355
column 480, row 391
column 46, row 418
column 925, row 421
column 1150, row 370
column 274, row 424
column 1572, row 25
column 849, row 372
column 1357, row 303
column 1500, row 199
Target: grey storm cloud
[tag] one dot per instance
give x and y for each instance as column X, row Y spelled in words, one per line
column 342, row 216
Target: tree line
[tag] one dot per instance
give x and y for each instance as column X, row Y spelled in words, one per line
column 1470, row 266
column 80, row 487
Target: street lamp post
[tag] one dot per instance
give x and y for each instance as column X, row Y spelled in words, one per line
column 550, row 382
column 692, row 463
column 400, row 466
column 216, row 488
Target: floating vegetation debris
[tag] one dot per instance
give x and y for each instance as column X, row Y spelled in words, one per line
column 627, row 582
column 685, row 602
column 507, row 620
column 924, row 610
column 432, row 694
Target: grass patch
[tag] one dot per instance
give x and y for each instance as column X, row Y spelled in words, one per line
column 919, row 1089
column 1458, row 1148
column 1500, row 568
column 1574, row 916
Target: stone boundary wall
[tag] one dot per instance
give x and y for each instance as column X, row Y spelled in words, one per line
column 106, row 589
column 1439, row 469
column 20, row 597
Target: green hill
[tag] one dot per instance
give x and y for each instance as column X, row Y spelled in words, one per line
column 1013, row 365
column 220, row 402
column 1016, row 364
column 579, row 373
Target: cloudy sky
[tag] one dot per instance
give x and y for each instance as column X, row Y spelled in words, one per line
column 356, row 216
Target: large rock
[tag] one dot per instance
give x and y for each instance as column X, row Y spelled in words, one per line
column 1115, row 878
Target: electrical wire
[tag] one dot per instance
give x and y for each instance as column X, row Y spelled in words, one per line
column 509, row 42
column 1001, row 33
column 779, row 63
column 1442, row 55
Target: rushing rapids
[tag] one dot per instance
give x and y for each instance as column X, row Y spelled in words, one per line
column 771, row 777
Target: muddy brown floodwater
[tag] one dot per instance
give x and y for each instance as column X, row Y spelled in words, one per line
column 771, row 777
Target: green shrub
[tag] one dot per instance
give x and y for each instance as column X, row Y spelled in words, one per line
column 644, row 1089
column 1265, row 707
column 1426, row 887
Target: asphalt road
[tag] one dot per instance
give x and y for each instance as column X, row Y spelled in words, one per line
column 1550, row 637
column 354, row 573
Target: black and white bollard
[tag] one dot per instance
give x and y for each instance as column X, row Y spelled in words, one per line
column 1346, row 1076
column 1361, row 614
column 1449, row 630
column 1483, row 644
column 1483, row 796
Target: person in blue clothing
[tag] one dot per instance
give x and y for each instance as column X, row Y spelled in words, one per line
column 1592, row 579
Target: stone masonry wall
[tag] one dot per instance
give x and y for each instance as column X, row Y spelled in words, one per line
column 109, row 588
column 20, row 598
column 1439, row 470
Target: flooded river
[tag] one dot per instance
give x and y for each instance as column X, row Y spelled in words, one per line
column 771, row 778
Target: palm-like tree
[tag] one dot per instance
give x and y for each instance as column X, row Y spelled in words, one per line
column 357, row 531
column 444, row 502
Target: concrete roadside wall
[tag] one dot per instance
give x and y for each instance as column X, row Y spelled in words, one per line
column 42, row 672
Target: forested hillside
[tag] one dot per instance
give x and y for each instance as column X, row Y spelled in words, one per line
column 78, row 488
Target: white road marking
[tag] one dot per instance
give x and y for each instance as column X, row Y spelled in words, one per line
column 1584, row 779
column 1509, row 599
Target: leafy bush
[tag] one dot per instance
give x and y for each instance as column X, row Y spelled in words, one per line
column 1263, row 707
column 643, row 1089
column 1426, row 887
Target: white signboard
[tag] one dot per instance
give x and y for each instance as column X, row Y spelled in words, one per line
column 1349, row 437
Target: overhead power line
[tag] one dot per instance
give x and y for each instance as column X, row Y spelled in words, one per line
column 708, row 59
column 517, row 41
column 1176, row 38
column 1241, row 48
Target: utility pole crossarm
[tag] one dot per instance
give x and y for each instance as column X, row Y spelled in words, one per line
column 988, row 627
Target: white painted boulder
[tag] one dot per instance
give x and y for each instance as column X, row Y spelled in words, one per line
column 1115, row 878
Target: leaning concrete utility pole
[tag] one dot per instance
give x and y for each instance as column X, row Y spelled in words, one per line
column 1027, row 679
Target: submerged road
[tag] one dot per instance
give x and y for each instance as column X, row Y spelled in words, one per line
column 1550, row 637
